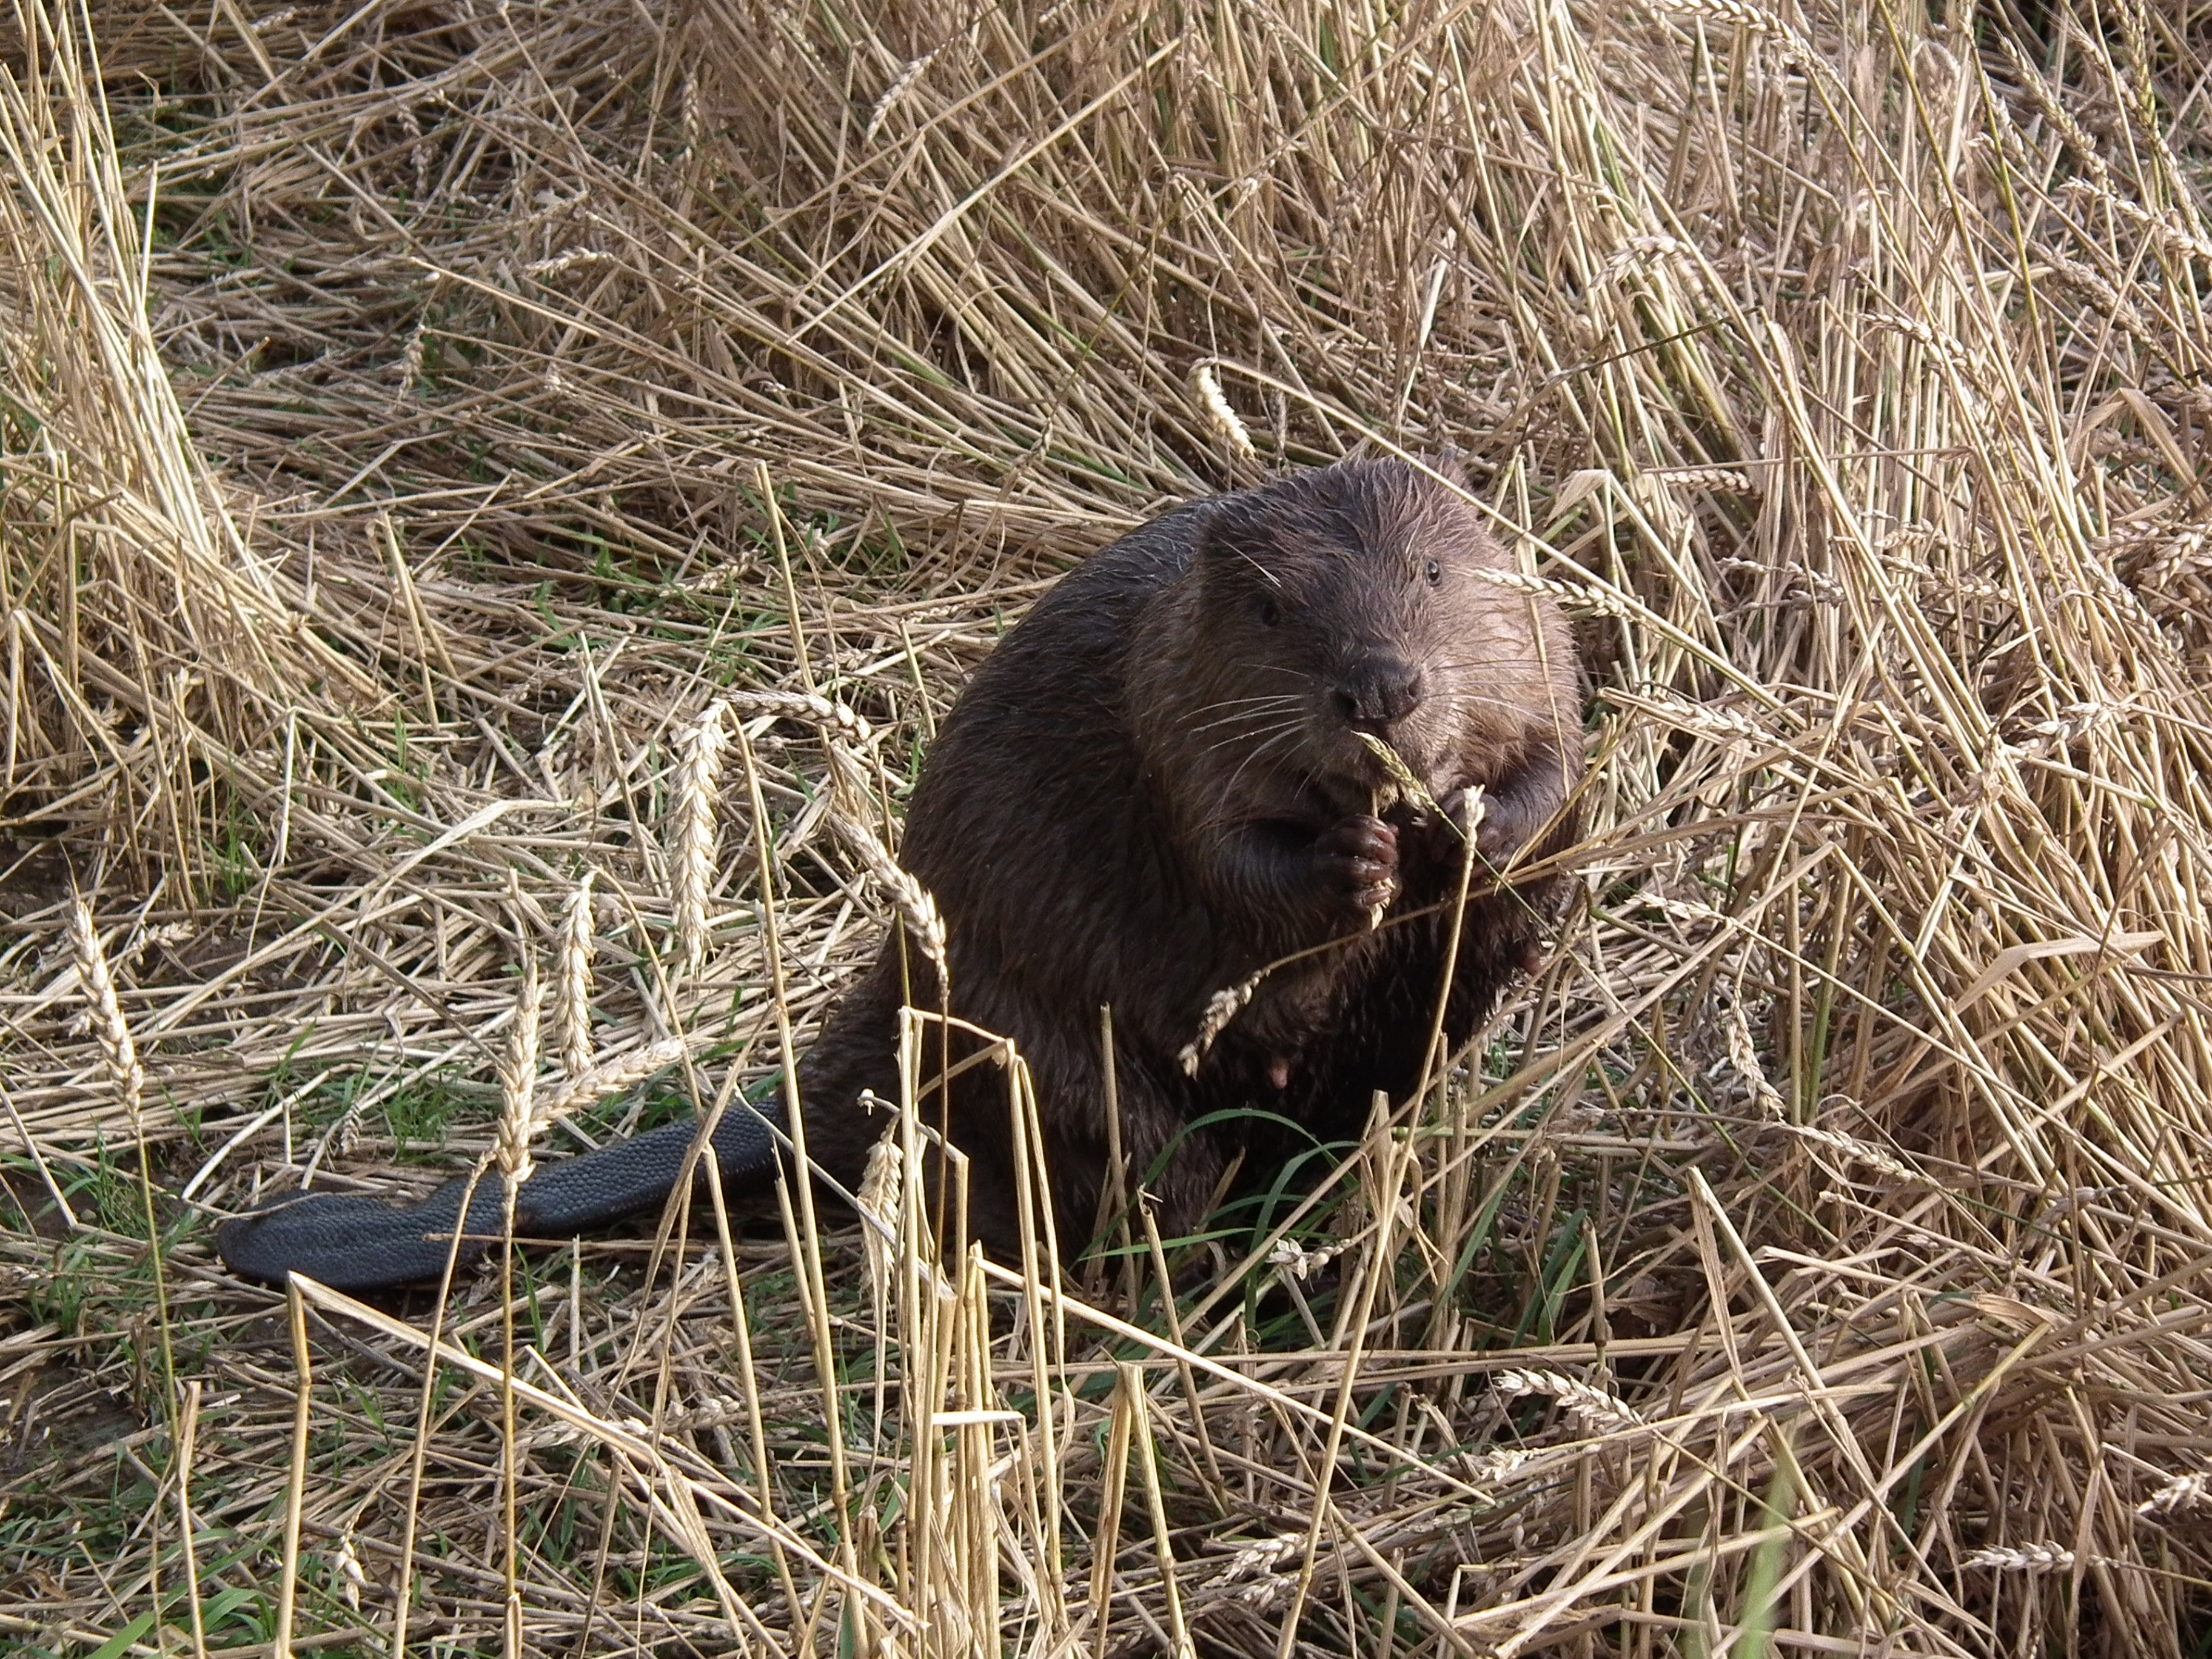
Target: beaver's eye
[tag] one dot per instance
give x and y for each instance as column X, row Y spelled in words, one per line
column 1270, row 612
column 1435, row 572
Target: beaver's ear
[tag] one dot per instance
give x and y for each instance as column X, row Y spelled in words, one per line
column 1448, row 465
column 1232, row 552
column 1229, row 536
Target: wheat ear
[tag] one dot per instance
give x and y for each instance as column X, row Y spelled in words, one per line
column 572, row 984
column 699, row 767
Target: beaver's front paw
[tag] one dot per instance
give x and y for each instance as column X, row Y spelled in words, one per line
column 1357, row 860
column 1492, row 818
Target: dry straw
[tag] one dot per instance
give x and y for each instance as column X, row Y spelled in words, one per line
column 412, row 421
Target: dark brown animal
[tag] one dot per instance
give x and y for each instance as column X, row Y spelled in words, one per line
column 1155, row 787
column 1153, row 790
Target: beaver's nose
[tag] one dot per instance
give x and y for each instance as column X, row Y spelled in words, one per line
column 1377, row 692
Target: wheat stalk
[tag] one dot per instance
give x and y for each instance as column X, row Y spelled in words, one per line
column 1588, row 1404
column 571, row 985
column 697, row 814
column 2021, row 1558
column 897, row 90
column 2181, row 1494
column 520, row 1120
column 1221, row 1007
column 1224, row 419
column 610, row 1077
column 908, row 898
column 815, row 710
column 119, row 1054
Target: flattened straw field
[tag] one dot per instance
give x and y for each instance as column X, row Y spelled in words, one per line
column 418, row 422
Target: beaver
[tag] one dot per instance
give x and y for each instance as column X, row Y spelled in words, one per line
column 1170, row 778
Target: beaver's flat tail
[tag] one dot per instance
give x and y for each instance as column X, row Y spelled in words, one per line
column 355, row 1242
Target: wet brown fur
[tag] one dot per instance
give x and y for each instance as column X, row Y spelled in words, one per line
column 1153, row 790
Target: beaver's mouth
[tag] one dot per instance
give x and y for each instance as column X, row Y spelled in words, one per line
column 1372, row 774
